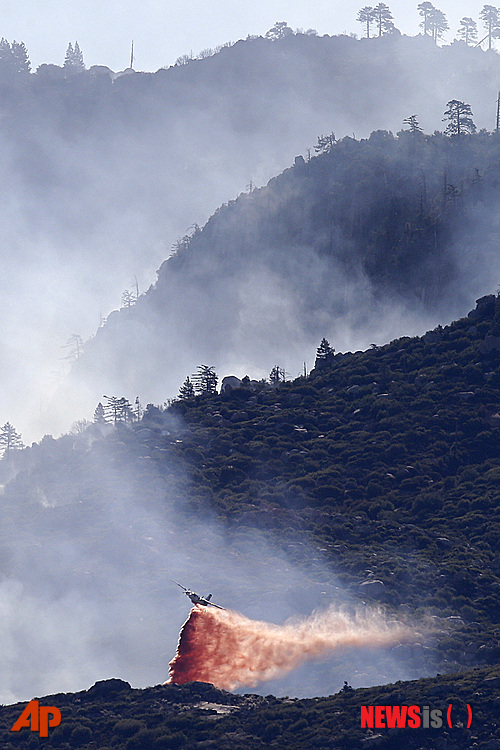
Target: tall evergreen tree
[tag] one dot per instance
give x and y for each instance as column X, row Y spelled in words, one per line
column 205, row 380
column 186, row 391
column 413, row 125
column 468, row 30
column 78, row 57
column 277, row 375
column 459, row 117
column 367, row 17
column 324, row 350
column 13, row 58
column 490, row 16
column 73, row 61
column 383, row 18
column 10, row 440
column 425, row 9
column 324, row 353
column 75, row 346
column 137, row 409
column 438, row 23
column 118, row 410
column 279, row 31
column 68, row 59
column 325, row 143
column 100, row 414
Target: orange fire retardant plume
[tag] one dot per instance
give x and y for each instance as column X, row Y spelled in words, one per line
column 229, row 650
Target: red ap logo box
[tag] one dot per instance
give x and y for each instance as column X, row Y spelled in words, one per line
column 38, row 719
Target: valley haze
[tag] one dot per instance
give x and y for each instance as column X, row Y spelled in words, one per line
column 233, row 211
column 103, row 177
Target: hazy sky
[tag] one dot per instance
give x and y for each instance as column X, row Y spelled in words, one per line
column 164, row 30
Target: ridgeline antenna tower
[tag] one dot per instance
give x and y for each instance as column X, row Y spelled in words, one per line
column 498, row 112
column 132, row 55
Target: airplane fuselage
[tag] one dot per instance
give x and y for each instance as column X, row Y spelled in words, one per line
column 197, row 599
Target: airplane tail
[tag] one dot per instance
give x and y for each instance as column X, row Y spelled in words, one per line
column 208, row 597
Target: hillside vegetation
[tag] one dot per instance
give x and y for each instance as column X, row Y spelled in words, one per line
column 371, row 238
column 105, row 172
column 386, row 459
column 197, row 716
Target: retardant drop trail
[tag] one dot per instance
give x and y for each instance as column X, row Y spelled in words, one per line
column 229, row 650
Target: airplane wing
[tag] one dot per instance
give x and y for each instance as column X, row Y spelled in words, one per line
column 179, row 584
column 213, row 604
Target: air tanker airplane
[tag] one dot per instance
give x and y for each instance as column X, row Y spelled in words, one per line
column 197, row 599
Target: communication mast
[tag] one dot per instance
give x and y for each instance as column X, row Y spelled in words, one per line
column 498, row 112
column 132, row 55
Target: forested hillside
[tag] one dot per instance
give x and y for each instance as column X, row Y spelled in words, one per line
column 103, row 173
column 198, row 717
column 367, row 240
column 374, row 479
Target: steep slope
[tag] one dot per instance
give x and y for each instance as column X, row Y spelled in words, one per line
column 371, row 239
column 373, row 480
column 101, row 177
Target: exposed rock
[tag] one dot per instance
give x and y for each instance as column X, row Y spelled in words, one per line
column 443, row 542
column 485, row 307
column 108, row 687
column 229, row 382
column 239, row 416
column 373, row 588
column 374, row 741
column 490, row 344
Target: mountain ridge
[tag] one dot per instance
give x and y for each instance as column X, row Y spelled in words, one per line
column 196, row 715
column 387, row 234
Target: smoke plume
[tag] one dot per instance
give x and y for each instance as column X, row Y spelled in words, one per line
column 230, row 650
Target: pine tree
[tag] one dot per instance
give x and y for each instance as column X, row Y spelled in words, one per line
column 459, row 116
column 277, row 375
column 10, row 440
column 100, row 414
column 490, row 16
column 73, row 61
column 324, row 353
column 383, row 18
column 324, row 350
column 413, row 126
column 438, row 23
column 14, row 58
column 186, row 391
column 118, row 410
column 279, row 31
column 68, row 59
column 325, row 143
column 366, row 16
column 137, row 409
column 205, row 380
column 468, row 30
column 425, row 9
column 78, row 58
column 75, row 346
column 126, row 412
column 20, row 58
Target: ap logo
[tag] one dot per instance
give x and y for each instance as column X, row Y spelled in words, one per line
column 38, row 719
